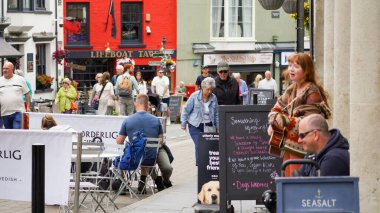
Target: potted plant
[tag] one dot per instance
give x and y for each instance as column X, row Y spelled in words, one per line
column 44, row 81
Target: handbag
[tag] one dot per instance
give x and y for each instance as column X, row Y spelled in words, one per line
column 73, row 106
column 95, row 103
column 110, row 103
column 209, row 129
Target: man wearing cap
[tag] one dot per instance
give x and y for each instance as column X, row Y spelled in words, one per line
column 227, row 88
column 12, row 89
column 202, row 76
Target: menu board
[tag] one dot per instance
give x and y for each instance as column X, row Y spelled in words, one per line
column 246, row 168
column 175, row 104
column 262, row 96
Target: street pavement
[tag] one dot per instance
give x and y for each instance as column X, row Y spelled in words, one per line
column 181, row 197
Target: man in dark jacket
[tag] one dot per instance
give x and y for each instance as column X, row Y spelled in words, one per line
column 227, row 88
column 328, row 148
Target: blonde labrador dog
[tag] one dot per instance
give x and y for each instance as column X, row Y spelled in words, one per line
column 209, row 193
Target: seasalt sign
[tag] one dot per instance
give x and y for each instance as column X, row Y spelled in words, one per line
column 318, row 202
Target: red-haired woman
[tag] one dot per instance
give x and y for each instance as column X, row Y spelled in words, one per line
column 303, row 97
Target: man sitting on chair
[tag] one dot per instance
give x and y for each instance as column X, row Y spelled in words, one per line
column 151, row 127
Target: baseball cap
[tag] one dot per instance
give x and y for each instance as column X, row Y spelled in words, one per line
column 222, row 66
column 204, row 66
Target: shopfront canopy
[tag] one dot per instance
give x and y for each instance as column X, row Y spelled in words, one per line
column 7, row 51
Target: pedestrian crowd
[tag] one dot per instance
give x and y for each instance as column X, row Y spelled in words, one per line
column 303, row 110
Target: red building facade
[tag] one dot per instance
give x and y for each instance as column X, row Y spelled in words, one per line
column 99, row 33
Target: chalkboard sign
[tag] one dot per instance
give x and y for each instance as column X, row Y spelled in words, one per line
column 262, row 95
column 208, row 158
column 175, row 104
column 246, row 168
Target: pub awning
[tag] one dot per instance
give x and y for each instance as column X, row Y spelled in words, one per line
column 7, row 51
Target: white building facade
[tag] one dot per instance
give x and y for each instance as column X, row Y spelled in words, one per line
column 32, row 31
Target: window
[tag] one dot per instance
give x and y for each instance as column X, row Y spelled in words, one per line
column 131, row 17
column 26, row 5
column 40, row 4
column 77, row 24
column 41, row 59
column 232, row 19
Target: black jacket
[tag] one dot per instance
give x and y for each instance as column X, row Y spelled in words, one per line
column 334, row 158
column 227, row 92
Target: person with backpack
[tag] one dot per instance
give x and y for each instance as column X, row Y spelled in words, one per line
column 150, row 127
column 125, row 84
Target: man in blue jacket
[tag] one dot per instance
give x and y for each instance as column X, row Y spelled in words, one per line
column 328, row 148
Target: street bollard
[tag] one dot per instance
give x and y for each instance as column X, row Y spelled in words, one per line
column 38, row 178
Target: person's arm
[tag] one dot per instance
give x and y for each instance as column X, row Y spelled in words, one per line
column 186, row 111
column 58, row 96
column 153, row 87
column 27, row 96
column 244, row 91
column 71, row 93
column 120, row 139
column 166, row 87
column 217, row 115
column 135, row 84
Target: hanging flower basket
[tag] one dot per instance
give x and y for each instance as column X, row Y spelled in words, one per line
column 271, row 4
column 306, row 17
column 59, row 55
column 290, row 6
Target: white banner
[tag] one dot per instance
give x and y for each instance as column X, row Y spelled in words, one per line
column 16, row 164
column 105, row 127
column 238, row 58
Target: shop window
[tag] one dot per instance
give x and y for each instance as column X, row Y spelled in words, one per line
column 76, row 24
column 232, row 19
column 26, row 5
column 41, row 59
column 131, row 16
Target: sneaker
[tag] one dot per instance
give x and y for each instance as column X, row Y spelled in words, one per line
column 168, row 122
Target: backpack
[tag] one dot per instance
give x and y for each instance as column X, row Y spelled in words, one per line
column 125, row 87
column 133, row 153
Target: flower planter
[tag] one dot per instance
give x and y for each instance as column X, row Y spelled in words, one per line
column 271, row 4
column 290, row 6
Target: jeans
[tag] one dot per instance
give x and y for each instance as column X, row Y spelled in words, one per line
column 12, row 121
column 194, row 133
column 68, row 111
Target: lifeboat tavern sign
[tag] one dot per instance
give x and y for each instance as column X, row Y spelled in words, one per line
column 118, row 54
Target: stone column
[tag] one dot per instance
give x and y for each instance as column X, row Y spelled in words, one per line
column 328, row 46
column 318, row 37
column 341, row 81
column 365, row 101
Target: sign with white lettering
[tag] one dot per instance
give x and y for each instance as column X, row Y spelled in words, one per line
column 105, row 127
column 16, row 164
column 238, row 58
column 208, row 159
column 317, row 194
column 76, row 66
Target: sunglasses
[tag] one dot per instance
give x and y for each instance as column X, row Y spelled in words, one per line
column 161, row 72
column 223, row 71
column 303, row 135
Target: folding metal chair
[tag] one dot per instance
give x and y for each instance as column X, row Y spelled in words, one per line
column 150, row 160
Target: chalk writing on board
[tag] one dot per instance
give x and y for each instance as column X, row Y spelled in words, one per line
column 251, row 125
